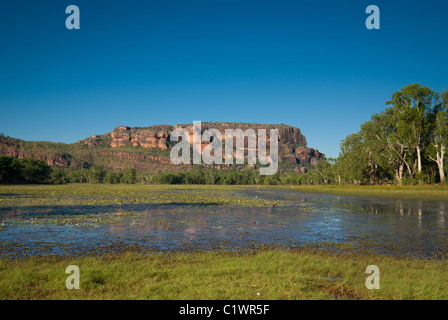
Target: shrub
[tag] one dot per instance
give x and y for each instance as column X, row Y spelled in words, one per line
column 130, row 176
column 111, row 177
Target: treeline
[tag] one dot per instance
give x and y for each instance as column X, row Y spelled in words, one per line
column 31, row 170
column 404, row 144
column 226, row 177
column 27, row 170
column 93, row 175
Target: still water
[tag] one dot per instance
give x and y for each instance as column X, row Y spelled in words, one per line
column 391, row 226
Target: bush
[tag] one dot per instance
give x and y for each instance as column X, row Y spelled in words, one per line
column 421, row 178
column 130, row 176
column 58, row 176
column 96, row 175
column 111, row 177
column 35, row 171
column 10, row 169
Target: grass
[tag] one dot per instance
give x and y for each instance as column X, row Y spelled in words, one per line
column 424, row 192
column 271, row 275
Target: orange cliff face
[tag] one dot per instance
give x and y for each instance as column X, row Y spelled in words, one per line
column 157, row 136
column 98, row 149
column 292, row 144
column 147, row 137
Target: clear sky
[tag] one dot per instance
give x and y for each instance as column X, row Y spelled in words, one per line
column 310, row 64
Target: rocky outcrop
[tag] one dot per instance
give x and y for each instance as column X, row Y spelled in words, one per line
column 292, row 143
column 127, row 155
column 308, row 155
column 99, row 149
column 146, row 137
column 287, row 158
column 58, row 160
column 286, row 134
column 121, row 136
column 96, row 141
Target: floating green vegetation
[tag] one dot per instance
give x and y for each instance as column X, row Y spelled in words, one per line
column 97, row 194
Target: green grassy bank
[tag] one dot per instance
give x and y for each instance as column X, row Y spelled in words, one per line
column 424, row 192
column 294, row 274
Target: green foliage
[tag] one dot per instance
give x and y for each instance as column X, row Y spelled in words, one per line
column 111, row 177
column 10, row 169
column 58, row 176
column 398, row 144
column 130, row 176
column 29, row 170
column 95, row 175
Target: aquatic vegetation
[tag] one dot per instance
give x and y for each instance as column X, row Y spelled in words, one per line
column 94, row 194
column 79, row 219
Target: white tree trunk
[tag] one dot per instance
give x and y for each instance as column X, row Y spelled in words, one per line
column 440, row 163
column 399, row 174
column 442, row 174
column 419, row 160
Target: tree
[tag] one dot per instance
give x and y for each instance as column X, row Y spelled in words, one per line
column 111, row 177
column 35, row 171
column 352, row 158
column 58, row 176
column 209, row 177
column 96, row 174
column 439, row 140
column 361, row 157
column 323, row 168
column 410, row 107
column 130, row 176
column 10, row 169
column 395, row 153
column 77, row 176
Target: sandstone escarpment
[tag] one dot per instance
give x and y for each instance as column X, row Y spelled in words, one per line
column 148, row 148
column 146, row 137
column 292, row 143
column 286, row 134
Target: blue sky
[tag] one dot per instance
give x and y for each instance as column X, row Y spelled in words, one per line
column 310, row 64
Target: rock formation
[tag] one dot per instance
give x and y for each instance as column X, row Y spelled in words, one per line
column 145, row 147
column 292, row 143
